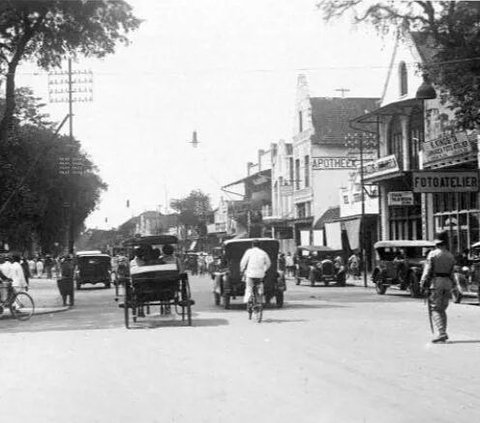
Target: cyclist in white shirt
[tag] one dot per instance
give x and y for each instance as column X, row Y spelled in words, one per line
column 254, row 264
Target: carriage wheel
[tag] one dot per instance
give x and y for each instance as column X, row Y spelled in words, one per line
column 186, row 302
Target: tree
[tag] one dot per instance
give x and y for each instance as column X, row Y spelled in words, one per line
column 32, row 193
column 48, row 31
column 452, row 31
column 193, row 210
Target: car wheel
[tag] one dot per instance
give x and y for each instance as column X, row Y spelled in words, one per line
column 457, row 296
column 379, row 286
column 279, row 299
column 226, row 301
column 414, row 285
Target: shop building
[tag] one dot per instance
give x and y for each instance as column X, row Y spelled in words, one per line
column 320, row 159
column 417, row 145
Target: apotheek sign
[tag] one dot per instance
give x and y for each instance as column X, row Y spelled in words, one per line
column 327, row 163
column 445, row 181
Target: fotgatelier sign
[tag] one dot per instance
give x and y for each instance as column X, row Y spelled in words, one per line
column 445, row 181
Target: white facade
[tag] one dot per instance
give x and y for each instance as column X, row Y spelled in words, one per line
column 282, row 181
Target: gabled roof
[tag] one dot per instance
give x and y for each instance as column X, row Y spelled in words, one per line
column 425, row 45
column 330, row 215
column 331, row 116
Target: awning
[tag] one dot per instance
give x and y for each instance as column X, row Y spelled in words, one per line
column 330, row 215
column 352, row 227
column 387, row 110
column 257, row 178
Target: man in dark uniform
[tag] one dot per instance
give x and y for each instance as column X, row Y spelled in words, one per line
column 438, row 279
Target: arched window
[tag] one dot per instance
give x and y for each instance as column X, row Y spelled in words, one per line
column 416, row 136
column 403, row 77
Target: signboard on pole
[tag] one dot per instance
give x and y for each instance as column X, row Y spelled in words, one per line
column 445, row 181
column 382, row 166
column 400, row 198
column 334, row 163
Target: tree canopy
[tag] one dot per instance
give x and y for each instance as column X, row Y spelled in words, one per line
column 33, row 195
column 453, row 32
column 193, row 210
column 49, row 31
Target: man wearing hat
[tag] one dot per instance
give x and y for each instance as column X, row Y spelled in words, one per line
column 438, row 278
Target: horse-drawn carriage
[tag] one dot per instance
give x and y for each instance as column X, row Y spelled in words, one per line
column 155, row 280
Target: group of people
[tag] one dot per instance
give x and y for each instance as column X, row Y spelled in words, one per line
column 146, row 255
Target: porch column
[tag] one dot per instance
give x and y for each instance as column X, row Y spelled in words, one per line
column 405, row 146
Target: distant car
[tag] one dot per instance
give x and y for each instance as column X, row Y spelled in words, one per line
column 92, row 267
column 400, row 262
column 316, row 264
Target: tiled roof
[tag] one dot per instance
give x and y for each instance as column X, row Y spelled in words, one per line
column 425, row 45
column 330, row 215
column 331, row 116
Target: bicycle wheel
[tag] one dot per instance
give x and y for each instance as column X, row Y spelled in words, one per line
column 22, row 306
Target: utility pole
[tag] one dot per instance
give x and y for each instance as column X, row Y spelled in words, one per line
column 362, row 141
column 69, row 87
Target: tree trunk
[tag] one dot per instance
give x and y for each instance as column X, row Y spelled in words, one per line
column 6, row 122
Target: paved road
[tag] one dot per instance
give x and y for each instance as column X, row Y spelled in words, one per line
column 331, row 355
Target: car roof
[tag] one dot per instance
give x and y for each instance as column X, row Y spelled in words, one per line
column 316, row 248
column 398, row 243
column 90, row 254
column 249, row 240
column 151, row 240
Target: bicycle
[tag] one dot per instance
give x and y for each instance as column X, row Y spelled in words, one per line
column 21, row 304
column 254, row 304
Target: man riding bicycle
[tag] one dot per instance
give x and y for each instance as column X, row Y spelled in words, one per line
column 254, row 265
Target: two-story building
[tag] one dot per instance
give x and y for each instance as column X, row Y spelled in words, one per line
column 423, row 161
column 320, row 159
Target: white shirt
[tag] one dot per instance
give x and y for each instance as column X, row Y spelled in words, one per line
column 255, row 263
column 17, row 275
column 6, row 269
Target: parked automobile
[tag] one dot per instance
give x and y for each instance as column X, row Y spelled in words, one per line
column 400, row 262
column 467, row 276
column 229, row 283
column 92, row 267
column 316, row 264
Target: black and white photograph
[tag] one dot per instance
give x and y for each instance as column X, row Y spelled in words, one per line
column 222, row 211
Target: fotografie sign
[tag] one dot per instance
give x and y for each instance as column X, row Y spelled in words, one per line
column 400, row 198
column 445, row 181
column 446, row 146
column 331, row 163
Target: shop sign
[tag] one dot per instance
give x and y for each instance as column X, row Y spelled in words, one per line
column 400, row 198
column 446, row 146
column 286, row 190
column 445, row 181
column 334, row 163
column 381, row 166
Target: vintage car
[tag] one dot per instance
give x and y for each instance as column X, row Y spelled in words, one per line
column 316, row 264
column 467, row 275
column 400, row 262
column 230, row 284
column 92, row 267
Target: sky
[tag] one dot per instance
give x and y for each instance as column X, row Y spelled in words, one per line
column 224, row 68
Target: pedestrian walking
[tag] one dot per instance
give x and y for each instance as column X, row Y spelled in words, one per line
column 65, row 283
column 32, row 268
column 26, row 270
column 437, row 281
column 290, row 264
column 39, row 268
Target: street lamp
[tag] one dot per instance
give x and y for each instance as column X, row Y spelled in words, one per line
column 426, row 90
column 362, row 140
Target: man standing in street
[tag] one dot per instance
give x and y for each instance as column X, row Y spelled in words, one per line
column 437, row 281
column 254, row 264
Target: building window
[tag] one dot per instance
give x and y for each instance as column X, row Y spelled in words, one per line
column 345, row 199
column 301, row 212
column 290, row 170
column 297, row 173
column 403, row 77
column 300, row 121
column 307, row 171
column 395, row 141
column 416, row 136
column 308, row 209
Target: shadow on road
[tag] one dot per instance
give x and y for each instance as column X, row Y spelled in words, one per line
column 465, row 341
column 155, row 324
column 306, row 305
column 283, row 320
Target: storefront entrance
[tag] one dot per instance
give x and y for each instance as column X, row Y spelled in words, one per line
column 459, row 214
